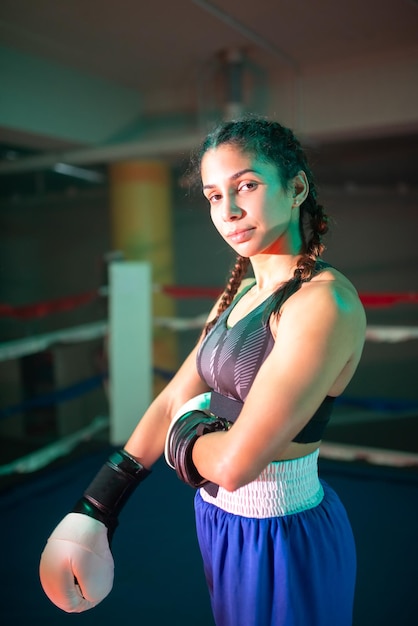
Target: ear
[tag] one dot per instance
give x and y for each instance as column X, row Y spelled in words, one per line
column 300, row 188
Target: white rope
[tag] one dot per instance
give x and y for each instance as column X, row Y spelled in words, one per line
column 391, row 334
column 376, row 456
column 44, row 456
column 30, row 345
column 328, row 450
column 87, row 332
column 178, row 323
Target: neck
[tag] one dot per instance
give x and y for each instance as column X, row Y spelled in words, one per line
column 271, row 271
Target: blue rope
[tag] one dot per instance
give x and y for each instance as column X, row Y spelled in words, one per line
column 66, row 394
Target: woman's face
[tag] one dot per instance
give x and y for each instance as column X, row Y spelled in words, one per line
column 249, row 206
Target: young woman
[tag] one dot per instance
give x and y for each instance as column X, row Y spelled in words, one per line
column 243, row 418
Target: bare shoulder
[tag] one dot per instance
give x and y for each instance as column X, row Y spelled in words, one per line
column 321, row 329
column 337, row 289
column 333, row 288
column 329, row 297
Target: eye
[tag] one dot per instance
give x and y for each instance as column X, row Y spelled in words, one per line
column 214, row 197
column 247, row 186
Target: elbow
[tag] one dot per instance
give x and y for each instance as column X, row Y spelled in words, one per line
column 231, row 476
column 229, row 483
column 227, row 466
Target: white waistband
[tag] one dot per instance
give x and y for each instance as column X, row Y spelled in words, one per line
column 282, row 488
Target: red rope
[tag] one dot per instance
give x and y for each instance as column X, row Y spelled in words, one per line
column 368, row 299
column 42, row 309
column 387, row 299
column 59, row 305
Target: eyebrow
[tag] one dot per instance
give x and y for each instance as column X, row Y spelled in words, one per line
column 234, row 176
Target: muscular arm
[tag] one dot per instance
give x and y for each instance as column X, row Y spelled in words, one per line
column 76, row 567
column 146, row 443
column 319, row 336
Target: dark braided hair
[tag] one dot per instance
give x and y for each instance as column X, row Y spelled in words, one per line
column 271, row 142
column 237, row 274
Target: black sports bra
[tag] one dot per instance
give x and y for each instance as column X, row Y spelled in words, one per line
column 229, row 359
column 230, row 409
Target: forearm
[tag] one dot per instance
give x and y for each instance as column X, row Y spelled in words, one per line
column 209, row 457
column 221, row 459
column 146, row 444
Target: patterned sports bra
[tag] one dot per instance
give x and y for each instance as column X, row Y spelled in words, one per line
column 229, row 359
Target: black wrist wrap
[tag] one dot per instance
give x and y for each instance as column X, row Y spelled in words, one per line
column 182, row 438
column 108, row 492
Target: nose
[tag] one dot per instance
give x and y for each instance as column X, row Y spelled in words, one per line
column 230, row 210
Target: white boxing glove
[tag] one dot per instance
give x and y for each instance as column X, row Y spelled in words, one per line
column 76, row 568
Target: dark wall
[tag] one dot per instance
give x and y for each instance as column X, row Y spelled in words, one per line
column 54, row 247
column 51, row 246
column 373, row 240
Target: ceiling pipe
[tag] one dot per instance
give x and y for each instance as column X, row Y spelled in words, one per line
column 157, row 147
column 147, row 148
column 275, row 51
column 233, row 67
column 248, row 33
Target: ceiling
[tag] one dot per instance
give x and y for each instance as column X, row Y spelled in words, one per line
column 164, row 49
column 165, row 42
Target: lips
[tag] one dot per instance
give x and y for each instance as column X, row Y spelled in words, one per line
column 240, row 236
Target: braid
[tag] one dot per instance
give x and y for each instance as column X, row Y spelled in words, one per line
column 307, row 265
column 270, row 141
column 237, row 274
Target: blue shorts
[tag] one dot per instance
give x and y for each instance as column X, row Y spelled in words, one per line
column 296, row 569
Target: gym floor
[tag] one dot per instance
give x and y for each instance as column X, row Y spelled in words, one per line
column 159, row 577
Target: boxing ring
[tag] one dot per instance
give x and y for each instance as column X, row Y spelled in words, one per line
column 129, row 329
column 378, row 484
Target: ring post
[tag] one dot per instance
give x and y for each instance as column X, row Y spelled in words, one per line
column 130, row 346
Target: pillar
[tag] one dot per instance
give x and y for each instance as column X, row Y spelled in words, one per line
column 142, row 227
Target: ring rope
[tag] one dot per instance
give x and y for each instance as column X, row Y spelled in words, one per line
column 44, row 456
column 68, row 303
column 86, row 332
column 39, row 459
column 376, row 456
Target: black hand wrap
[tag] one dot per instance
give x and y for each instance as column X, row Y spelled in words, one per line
column 108, row 492
column 181, row 438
